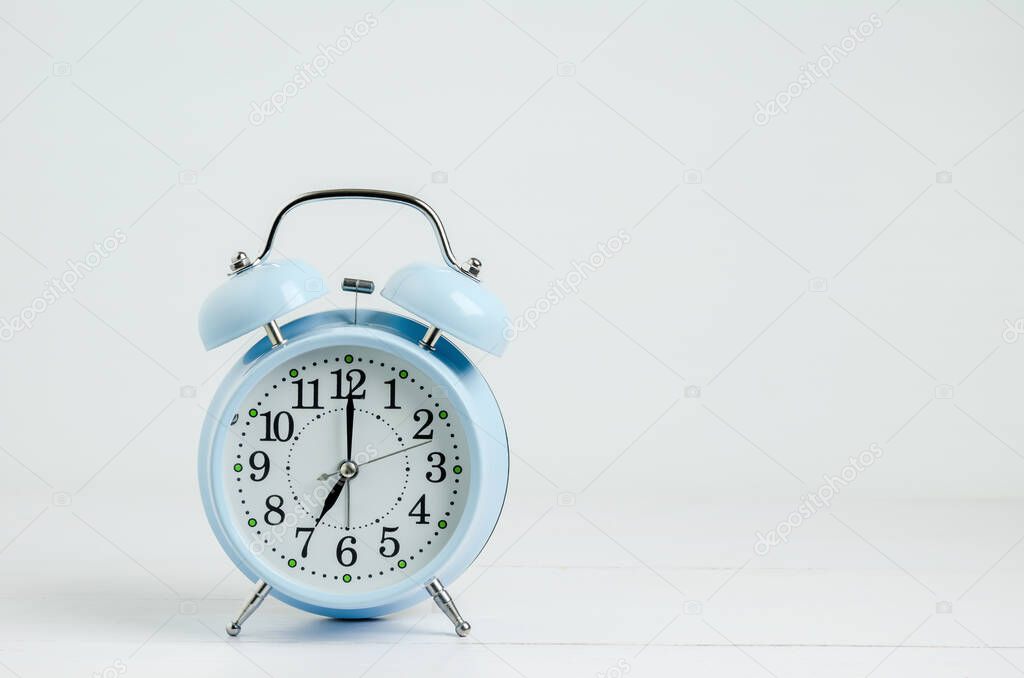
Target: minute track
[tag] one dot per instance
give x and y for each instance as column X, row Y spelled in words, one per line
column 394, row 533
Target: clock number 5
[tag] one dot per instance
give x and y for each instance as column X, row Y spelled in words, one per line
column 384, row 550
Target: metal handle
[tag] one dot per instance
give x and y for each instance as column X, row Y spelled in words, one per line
column 471, row 268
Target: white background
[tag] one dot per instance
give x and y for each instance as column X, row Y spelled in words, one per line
column 848, row 274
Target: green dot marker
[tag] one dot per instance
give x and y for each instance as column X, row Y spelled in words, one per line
column 238, row 468
column 349, row 358
column 403, row 373
column 346, row 578
column 253, row 412
column 293, row 373
column 292, row 562
column 442, row 524
column 457, row 470
column 401, row 564
column 443, row 414
column 252, row 522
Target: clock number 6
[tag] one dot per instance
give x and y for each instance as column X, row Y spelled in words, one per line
column 384, row 539
column 346, row 554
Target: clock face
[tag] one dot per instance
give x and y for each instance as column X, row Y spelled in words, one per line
column 346, row 469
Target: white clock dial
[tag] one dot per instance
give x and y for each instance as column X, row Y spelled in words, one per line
column 347, row 469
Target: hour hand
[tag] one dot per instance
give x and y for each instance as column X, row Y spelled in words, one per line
column 332, row 498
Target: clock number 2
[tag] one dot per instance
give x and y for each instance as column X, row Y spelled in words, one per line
column 428, row 417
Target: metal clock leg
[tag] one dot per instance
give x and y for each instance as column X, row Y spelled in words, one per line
column 251, row 605
column 444, row 601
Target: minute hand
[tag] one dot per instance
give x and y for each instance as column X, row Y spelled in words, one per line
column 404, row 449
column 350, row 412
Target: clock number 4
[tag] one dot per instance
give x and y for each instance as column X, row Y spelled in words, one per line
column 419, row 510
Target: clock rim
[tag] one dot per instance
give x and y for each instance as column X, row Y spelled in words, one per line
column 469, row 394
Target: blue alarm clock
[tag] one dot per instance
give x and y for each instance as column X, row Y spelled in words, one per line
column 350, row 463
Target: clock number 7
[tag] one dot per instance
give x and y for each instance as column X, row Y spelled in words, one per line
column 309, row 534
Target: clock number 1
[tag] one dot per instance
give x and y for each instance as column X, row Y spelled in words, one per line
column 391, row 400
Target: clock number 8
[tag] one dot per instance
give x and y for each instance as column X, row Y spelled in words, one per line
column 274, row 509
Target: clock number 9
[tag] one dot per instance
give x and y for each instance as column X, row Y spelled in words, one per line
column 258, row 461
column 384, row 539
column 438, row 465
column 346, row 554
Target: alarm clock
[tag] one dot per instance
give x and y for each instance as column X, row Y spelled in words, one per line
column 350, row 463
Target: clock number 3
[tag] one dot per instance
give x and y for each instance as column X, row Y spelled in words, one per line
column 436, row 466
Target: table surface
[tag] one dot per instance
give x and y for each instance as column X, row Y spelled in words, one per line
column 880, row 589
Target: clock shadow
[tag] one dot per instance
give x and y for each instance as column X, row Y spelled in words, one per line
column 375, row 629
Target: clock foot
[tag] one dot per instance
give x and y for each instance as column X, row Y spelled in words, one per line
column 251, row 605
column 444, row 601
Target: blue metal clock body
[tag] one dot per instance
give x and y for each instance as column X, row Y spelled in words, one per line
column 445, row 365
